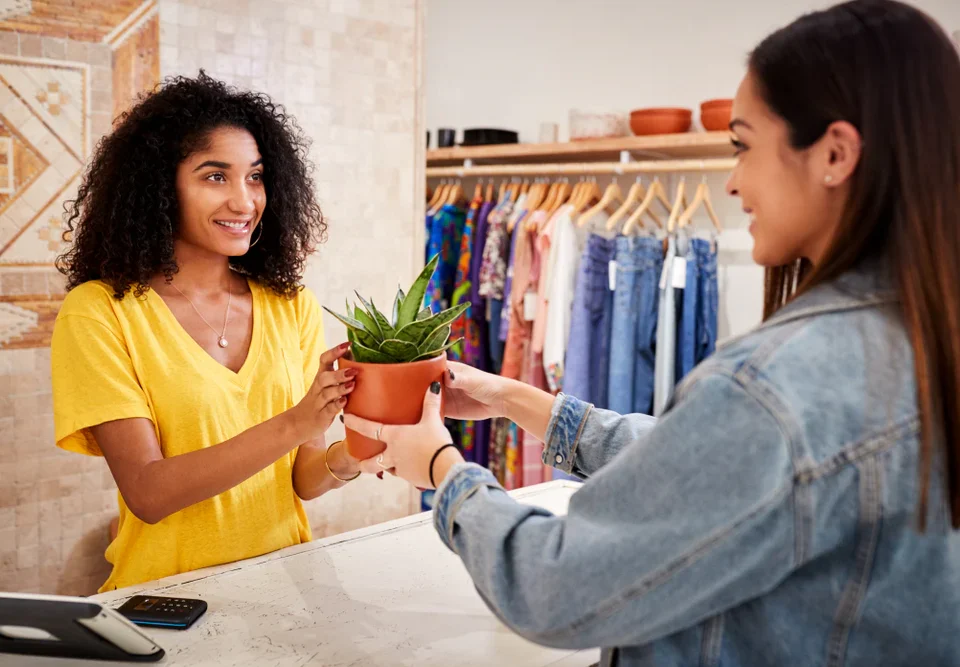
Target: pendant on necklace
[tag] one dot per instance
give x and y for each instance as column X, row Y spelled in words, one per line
column 222, row 342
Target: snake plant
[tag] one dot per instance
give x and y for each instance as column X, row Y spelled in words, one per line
column 411, row 333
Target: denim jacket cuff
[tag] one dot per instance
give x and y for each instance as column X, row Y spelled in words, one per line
column 567, row 419
column 463, row 480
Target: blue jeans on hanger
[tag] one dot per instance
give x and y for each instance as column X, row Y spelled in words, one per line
column 697, row 332
column 633, row 341
column 588, row 351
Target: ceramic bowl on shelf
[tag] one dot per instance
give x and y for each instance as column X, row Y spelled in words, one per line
column 646, row 122
column 715, row 115
column 585, row 125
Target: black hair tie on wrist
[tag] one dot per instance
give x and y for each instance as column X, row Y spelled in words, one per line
column 434, row 460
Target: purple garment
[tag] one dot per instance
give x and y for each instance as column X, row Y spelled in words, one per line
column 476, row 262
column 505, row 313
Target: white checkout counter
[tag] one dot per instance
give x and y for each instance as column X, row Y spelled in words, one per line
column 390, row 594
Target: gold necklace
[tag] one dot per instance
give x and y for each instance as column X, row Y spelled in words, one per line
column 221, row 337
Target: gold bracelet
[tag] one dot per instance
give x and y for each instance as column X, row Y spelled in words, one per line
column 326, row 462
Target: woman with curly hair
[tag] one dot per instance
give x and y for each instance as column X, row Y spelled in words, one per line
column 186, row 352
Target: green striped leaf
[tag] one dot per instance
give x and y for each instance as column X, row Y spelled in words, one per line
column 436, row 353
column 400, row 350
column 369, row 324
column 436, row 340
column 365, row 355
column 413, row 302
column 397, row 304
column 386, row 329
column 417, row 332
column 346, row 320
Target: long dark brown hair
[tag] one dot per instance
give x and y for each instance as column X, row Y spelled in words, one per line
column 892, row 72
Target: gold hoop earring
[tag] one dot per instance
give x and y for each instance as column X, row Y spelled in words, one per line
column 260, row 227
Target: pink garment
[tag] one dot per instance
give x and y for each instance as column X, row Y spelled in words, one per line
column 520, row 329
column 532, row 464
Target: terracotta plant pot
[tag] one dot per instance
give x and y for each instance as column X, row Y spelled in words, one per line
column 645, row 122
column 715, row 115
column 389, row 394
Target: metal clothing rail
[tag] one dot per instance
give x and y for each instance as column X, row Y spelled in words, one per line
column 584, row 168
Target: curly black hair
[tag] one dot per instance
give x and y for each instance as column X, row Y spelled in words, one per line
column 124, row 220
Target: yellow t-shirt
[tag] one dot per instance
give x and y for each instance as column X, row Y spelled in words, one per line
column 131, row 358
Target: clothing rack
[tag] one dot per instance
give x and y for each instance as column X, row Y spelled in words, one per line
column 468, row 169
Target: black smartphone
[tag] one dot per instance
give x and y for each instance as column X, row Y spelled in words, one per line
column 160, row 612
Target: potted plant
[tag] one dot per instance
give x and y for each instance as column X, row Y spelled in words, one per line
column 398, row 358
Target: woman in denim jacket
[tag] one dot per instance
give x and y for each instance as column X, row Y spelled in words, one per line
column 798, row 503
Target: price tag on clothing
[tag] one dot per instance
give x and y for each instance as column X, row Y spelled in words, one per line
column 679, row 272
column 529, row 306
column 612, row 273
column 663, row 273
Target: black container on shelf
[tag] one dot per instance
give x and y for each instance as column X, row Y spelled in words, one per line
column 488, row 136
column 446, row 137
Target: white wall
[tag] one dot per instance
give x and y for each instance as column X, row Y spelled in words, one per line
column 515, row 64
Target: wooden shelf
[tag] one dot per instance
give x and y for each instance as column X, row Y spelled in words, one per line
column 690, row 145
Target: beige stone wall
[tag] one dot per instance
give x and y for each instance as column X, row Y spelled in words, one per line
column 348, row 71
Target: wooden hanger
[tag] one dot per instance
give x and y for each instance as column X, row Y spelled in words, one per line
column 437, row 195
column 544, row 205
column 478, row 190
column 444, row 193
column 456, row 194
column 551, row 196
column 535, row 196
column 563, row 193
column 655, row 193
column 514, row 191
column 636, row 194
column 488, row 196
column 525, row 187
column 702, row 196
column 515, row 216
column 538, row 207
column 503, row 190
column 590, row 193
column 577, row 192
column 611, row 195
column 679, row 205
column 563, row 196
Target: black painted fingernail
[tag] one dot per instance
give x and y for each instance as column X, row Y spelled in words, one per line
column 341, row 419
column 379, row 475
column 452, row 376
column 435, row 388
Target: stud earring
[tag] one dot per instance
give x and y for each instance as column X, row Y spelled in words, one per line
column 828, row 179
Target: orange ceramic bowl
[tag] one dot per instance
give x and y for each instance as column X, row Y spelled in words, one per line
column 389, row 394
column 713, row 104
column 646, row 122
column 715, row 120
column 715, row 115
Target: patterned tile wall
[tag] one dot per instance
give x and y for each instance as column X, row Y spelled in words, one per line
column 55, row 103
column 349, row 70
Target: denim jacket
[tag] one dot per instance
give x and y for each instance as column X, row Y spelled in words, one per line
column 768, row 518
